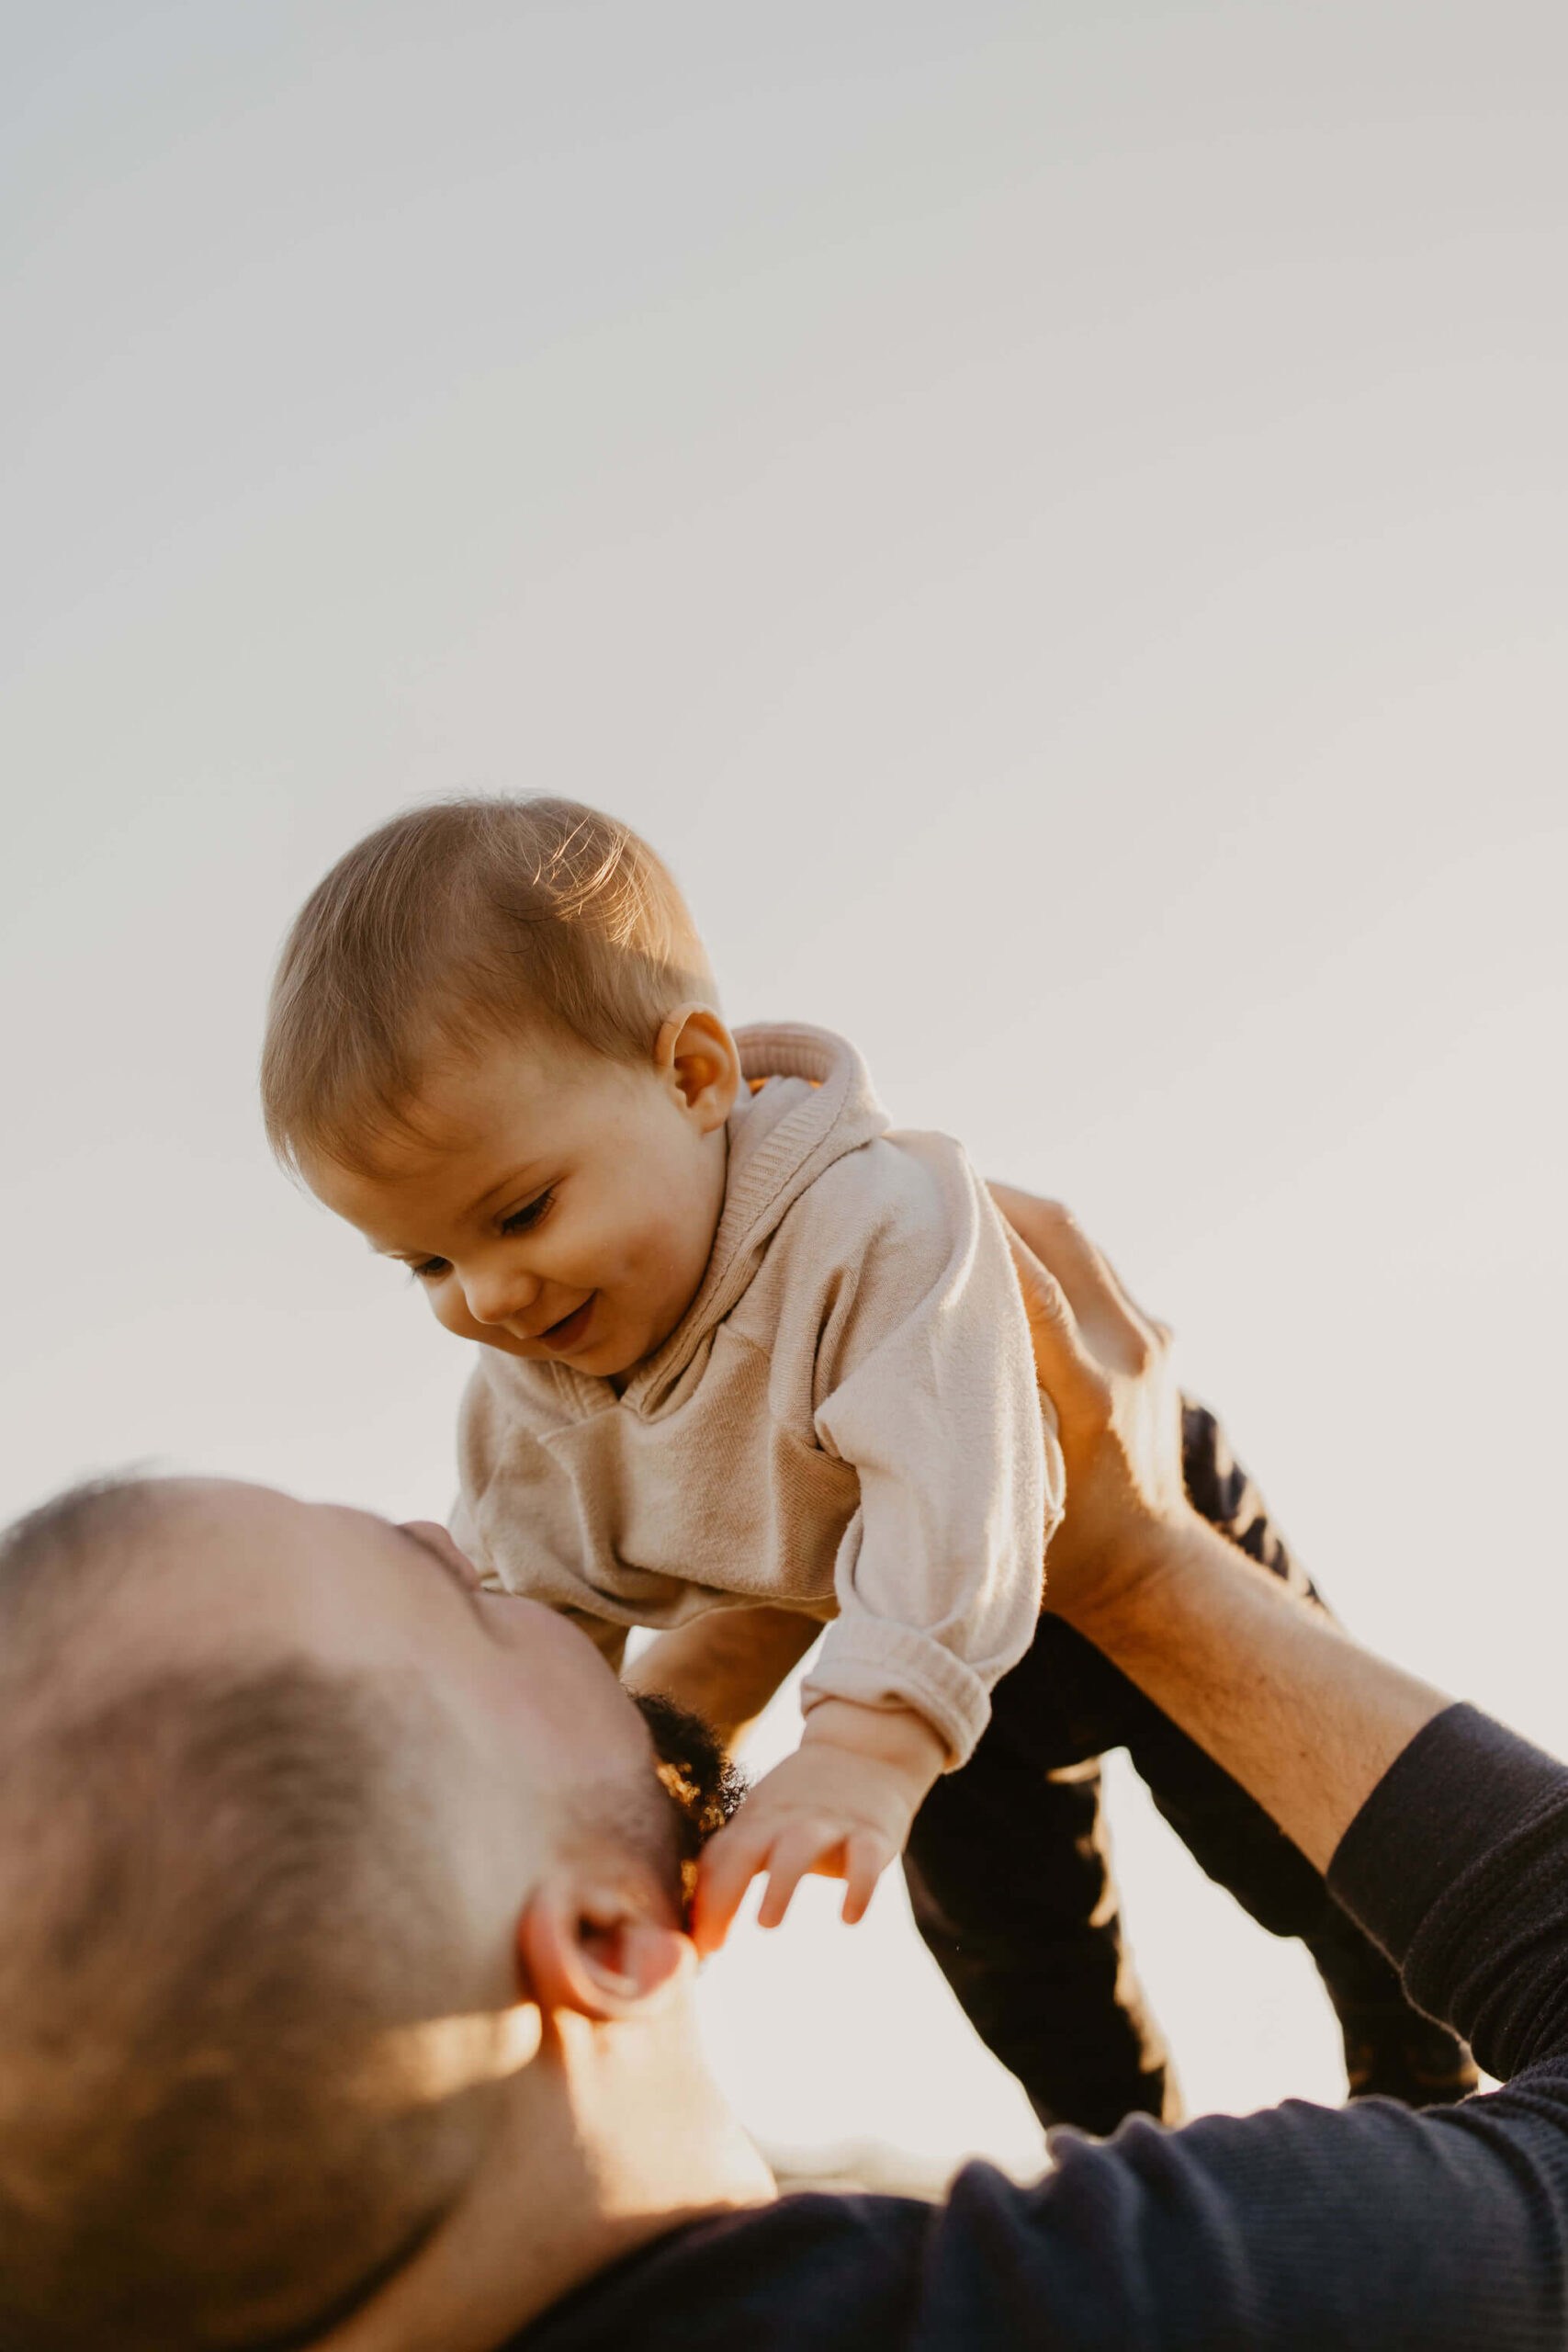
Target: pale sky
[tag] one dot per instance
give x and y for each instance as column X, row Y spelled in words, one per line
column 1051, row 518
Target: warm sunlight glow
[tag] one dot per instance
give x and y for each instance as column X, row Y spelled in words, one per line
column 421, row 2065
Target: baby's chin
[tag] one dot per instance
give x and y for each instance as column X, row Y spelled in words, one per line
column 619, row 1358
column 607, row 1362
column 613, row 1354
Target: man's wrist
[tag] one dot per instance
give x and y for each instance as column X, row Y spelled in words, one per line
column 1262, row 1679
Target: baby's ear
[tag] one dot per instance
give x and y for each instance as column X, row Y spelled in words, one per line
column 701, row 1061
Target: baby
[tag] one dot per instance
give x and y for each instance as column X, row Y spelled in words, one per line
column 741, row 1344
column 749, row 1360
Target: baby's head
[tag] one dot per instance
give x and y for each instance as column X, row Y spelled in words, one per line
column 493, row 1045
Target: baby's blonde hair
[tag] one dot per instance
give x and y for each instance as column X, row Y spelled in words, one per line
column 453, row 924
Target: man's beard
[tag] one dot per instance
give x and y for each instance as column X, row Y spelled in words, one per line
column 703, row 1783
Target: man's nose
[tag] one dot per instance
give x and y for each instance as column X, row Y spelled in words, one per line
column 496, row 1293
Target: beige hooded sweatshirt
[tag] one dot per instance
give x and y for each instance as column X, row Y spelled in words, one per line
column 845, row 1421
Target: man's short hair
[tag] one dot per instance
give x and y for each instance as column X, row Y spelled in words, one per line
column 218, row 1896
column 451, row 925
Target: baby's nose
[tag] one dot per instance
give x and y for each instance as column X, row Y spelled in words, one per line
column 497, row 1295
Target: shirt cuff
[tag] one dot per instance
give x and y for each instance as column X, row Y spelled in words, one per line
column 1451, row 1795
column 877, row 1664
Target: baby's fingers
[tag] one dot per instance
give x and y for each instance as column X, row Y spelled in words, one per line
column 727, row 1865
column 809, row 1843
column 866, row 1856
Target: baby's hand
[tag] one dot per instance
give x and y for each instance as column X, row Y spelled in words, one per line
column 841, row 1806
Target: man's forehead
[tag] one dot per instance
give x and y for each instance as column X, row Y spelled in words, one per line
column 243, row 1514
column 234, row 1567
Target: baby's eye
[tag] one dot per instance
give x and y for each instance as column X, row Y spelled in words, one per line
column 524, row 1220
column 429, row 1270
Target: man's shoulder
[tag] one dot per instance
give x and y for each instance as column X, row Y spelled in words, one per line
column 831, row 2273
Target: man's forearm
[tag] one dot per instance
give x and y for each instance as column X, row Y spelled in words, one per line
column 1265, row 1683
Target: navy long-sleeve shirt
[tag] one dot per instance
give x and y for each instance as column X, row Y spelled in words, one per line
column 1303, row 2227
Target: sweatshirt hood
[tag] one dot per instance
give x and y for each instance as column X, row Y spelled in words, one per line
column 808, row 1102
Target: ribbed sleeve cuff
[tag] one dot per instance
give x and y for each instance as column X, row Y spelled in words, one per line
column 876, row 1665
column 1452, row 1794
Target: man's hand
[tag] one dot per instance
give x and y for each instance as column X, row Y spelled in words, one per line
column 1265, row 1682
column 1106, row 1367
column 842, row 1806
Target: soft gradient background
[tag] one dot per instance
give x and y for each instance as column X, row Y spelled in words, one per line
column 1051, row 517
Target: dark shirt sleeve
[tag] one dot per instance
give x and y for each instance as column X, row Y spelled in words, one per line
column 1458, row 1865
column 1303, row 2229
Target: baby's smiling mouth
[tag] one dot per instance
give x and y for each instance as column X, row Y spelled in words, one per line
column 569, row 1330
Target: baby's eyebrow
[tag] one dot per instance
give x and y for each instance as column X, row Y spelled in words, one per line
column 525, row 1177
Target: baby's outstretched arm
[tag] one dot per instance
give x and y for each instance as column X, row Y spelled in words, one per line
column 842, row 1806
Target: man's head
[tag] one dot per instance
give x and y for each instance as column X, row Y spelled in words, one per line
column 492, row 1046
column 293, row 1820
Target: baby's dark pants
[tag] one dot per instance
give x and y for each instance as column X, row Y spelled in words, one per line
column 1008, row 1877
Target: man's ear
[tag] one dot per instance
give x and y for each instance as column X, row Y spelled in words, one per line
column 703, row 1062
column 591, row 1944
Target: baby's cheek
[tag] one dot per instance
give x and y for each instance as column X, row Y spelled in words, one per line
column 681, row 1269
column 450, row 1310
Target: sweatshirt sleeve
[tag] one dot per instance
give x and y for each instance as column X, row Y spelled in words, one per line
column 927, row 1387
